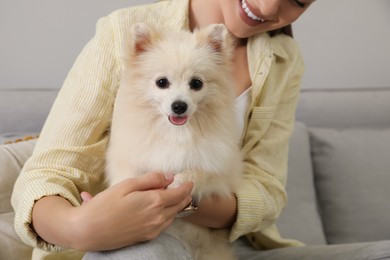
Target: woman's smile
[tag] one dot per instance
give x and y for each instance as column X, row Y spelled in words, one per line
column 249, row 13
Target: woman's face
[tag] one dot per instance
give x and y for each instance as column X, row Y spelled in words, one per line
column 245, row 18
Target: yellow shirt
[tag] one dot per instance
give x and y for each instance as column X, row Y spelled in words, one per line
column 69, row 156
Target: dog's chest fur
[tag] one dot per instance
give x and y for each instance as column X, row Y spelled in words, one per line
column 170, row 153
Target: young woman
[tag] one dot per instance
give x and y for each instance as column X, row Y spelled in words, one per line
column 69, row 157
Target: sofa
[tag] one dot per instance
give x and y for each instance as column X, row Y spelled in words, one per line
column 339, row 169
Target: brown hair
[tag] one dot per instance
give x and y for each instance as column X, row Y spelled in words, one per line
column 287, row 30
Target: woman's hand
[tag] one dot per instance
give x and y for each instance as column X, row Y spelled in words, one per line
column 215, row 212
column 135, row 210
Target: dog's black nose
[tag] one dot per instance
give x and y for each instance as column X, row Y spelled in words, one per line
column 179, row 107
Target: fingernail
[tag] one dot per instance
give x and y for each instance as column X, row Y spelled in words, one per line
column 169, row 176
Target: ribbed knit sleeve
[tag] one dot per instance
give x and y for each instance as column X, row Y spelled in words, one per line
column 69, row 156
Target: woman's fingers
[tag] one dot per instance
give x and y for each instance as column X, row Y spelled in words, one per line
column 176, row 196
column 86, row 197
column 148, row 181
column 177, row 199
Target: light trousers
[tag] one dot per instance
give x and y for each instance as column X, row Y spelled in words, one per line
column 166, row 247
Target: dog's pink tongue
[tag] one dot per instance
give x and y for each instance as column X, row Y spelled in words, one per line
column 176, row 120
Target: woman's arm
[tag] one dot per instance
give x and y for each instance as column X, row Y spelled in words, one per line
column 70, row 153
column 135, row 210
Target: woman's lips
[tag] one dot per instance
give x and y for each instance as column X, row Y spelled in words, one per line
column 247, row 16
column 249, row 12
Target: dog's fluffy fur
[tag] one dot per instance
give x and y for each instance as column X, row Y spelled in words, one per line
column 174, row 113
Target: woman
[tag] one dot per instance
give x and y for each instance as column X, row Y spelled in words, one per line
column 69, row 157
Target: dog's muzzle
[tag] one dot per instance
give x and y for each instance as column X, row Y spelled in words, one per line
column 179, row 109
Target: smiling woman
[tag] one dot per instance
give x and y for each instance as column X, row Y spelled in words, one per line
column 71, row 151
column 284, row 30
column 68, row 157
column 245, row 18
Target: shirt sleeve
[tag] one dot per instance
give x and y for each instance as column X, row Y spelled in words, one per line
column 69, row 156
column 261, row 195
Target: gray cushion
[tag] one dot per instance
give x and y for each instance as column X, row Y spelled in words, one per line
column 300, row 219
column 345, row 108
column 24, row 111
column 352, row 173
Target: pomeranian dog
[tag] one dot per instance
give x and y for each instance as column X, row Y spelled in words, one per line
column 174, row 113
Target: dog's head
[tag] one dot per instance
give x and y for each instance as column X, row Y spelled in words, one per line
column 182, row 74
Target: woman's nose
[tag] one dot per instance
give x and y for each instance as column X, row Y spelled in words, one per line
column 269, row 8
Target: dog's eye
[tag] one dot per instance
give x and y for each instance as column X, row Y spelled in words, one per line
column 196, row 84
column 162, row 83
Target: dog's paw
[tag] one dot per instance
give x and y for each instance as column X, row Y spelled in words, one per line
column 179, row 179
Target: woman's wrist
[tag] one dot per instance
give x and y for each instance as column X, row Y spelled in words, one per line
column 215, row 212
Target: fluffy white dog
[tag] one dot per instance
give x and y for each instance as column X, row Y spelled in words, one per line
column 174, row 113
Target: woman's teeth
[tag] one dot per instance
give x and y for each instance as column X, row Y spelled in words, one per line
column 249, row 13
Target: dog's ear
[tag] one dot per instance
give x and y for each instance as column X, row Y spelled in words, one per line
column 141, row 39
column 143, row 36
column 218, row 38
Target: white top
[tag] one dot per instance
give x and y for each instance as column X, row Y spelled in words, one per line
column 241, row 106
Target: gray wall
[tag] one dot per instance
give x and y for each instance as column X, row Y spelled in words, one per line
column 345, row 42
column 40, row 39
